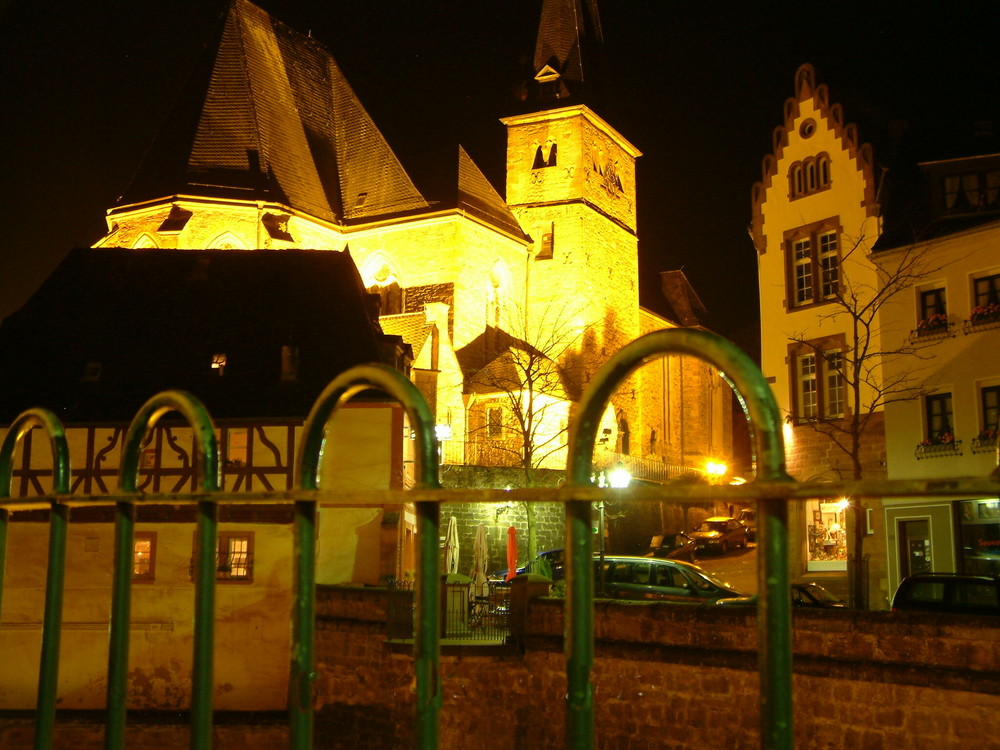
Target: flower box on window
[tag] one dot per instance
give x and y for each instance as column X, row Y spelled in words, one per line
column 932, row 326
column 938, row 446
column 985, row 442
column 984, row 316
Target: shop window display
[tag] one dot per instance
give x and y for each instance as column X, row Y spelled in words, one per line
column 981, row 537
column 827, row 534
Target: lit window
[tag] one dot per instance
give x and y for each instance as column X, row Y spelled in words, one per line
column 235, row 560
column 808, row 396
column 144, row 556
column 802, row 250
column 818, row 382
column 829, row 264
column 813, row 255
column 219, row 363
column 834, row 406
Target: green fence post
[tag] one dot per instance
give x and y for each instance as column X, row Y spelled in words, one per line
column 774, row 612
column 201, row 424
column 48, row 673
column 426, row 643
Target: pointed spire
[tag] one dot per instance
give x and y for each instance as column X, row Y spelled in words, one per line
column 568, row 53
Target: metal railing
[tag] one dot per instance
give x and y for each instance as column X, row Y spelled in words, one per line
column 773, row 490
column 467, row 614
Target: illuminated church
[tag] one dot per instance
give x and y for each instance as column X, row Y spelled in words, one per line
column 271, row 148
column 272, row 239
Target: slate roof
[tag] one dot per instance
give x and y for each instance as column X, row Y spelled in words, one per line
column 268, row 115
column 686, row 307
column 412, row 327
column 150, row 320
column 569, row 43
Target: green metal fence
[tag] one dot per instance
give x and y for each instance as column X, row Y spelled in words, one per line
column 772, row 491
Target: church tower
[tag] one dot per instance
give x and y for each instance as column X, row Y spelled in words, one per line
column 571, row 184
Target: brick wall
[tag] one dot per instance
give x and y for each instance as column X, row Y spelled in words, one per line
column 664, row 677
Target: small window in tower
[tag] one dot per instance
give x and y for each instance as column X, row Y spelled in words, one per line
column 545, row 155
column 219, row 363
column 807, row 128
column 545, row 247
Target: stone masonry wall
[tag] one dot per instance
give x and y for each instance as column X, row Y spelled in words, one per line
column 664, row 677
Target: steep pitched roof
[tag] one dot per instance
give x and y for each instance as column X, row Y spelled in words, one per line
column 412, row 327
column 269, row 115
column 686, row 307
column 112, row 327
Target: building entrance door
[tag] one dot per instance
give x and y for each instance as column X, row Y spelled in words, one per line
column 914, row 547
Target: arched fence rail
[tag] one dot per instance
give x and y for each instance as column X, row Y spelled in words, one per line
column 772, row 491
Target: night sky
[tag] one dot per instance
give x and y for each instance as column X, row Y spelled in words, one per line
column 698, row 88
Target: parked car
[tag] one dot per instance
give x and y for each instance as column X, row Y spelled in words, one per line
column 658, row 579
column 948, row 592
column 720, row 534
column 677, row 546
column 804, row 594
column 554, row 558
column 748, row 517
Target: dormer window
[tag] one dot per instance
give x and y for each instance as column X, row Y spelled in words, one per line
column 973, row 191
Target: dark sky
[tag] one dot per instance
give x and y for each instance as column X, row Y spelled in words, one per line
column 698, row 87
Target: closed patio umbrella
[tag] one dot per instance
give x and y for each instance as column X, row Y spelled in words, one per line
column 511, row 552
column 451, row 547
column 480, row 561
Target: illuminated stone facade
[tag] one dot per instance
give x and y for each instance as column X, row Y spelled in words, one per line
column 553, row 267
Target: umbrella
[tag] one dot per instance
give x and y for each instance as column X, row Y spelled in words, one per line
column 480, row 561
column 451, row 547
column 511, row 552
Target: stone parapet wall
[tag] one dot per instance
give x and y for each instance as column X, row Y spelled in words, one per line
column 664, row 677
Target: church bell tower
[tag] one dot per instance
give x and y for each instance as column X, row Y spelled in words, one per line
column 571, row 184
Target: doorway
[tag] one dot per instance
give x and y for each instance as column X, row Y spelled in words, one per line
column 915, row 554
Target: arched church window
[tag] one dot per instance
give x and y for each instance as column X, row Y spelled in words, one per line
column 545, row 155
column 144, row 241
column 382, row 280
column 227, row 241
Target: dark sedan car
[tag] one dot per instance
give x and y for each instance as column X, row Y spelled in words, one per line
column 720, row 534
column 804, row 594
column 654, row 579
column 677, row 546
column 948, row 592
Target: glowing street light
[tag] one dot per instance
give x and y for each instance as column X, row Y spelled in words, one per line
column 619, row 478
